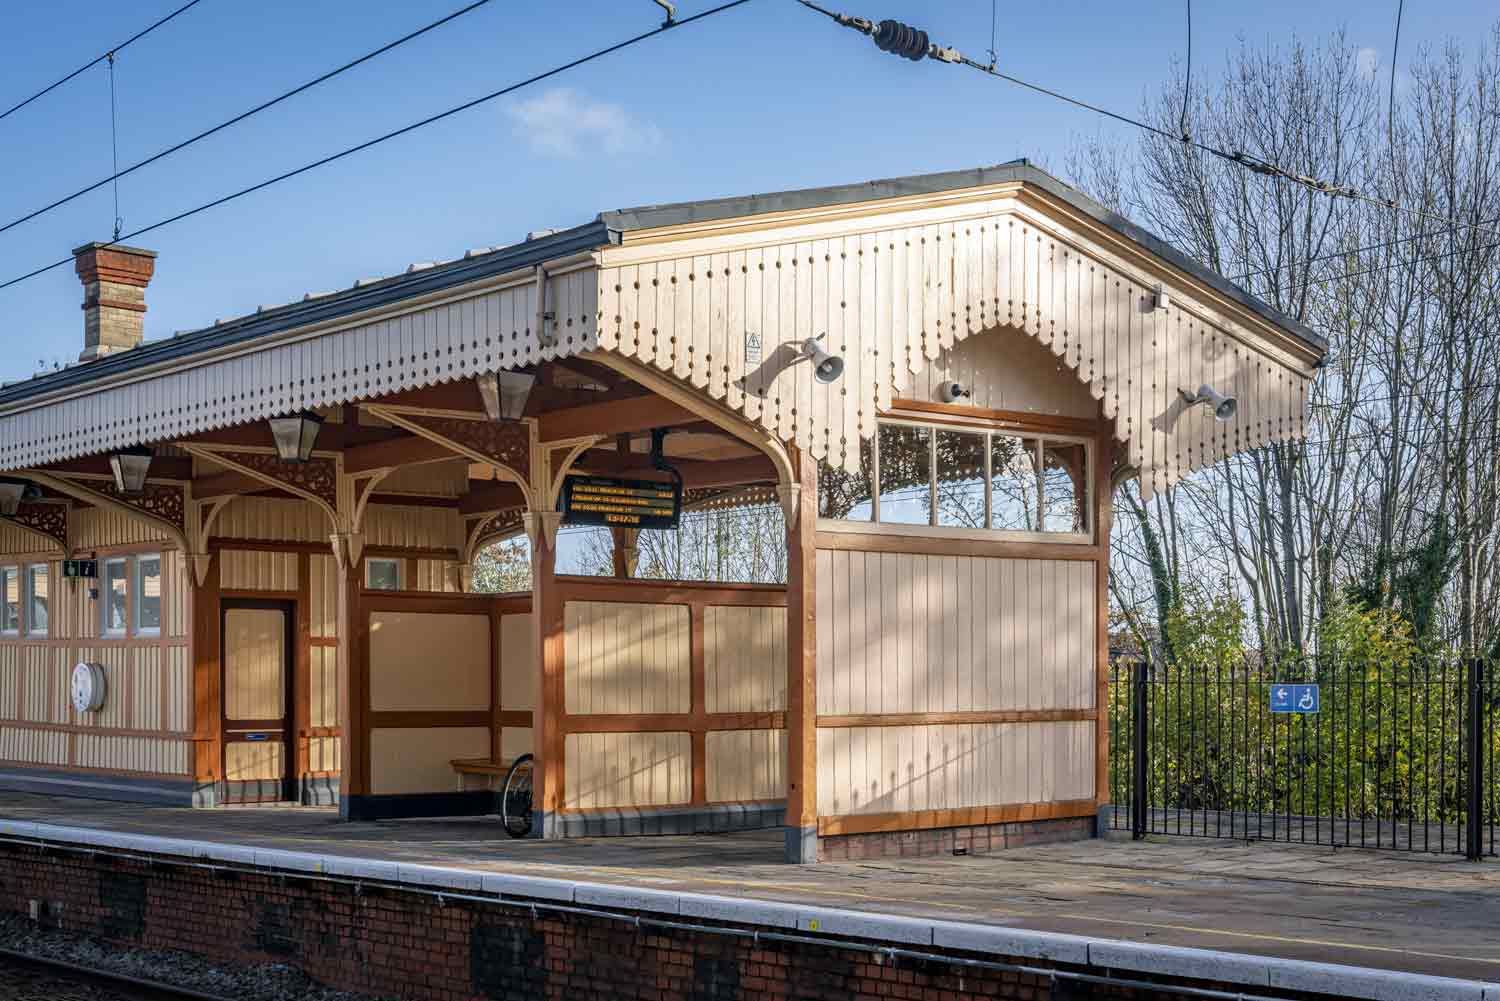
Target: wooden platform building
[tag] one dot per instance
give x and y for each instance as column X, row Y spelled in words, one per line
column 938, row 380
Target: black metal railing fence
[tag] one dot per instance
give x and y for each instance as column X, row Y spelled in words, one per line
column 1396, row 757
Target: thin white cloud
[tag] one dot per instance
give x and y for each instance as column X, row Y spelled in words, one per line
column 1367, row 61
column 562, row 122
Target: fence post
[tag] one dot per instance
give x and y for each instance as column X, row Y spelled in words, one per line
column 1474, row 744
column 1138, row 793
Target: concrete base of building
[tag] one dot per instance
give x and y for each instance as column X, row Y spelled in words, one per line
column 470, row 803
column 980, row 839
column 801, row 845
column 319, row 790
column 717, row 818
column 95, row 785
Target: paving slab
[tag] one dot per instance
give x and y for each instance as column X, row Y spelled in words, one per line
column 1426, row 914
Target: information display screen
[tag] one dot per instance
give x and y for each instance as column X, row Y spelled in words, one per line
column 602, row 500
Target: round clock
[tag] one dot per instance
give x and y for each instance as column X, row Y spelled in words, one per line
column 87, row 687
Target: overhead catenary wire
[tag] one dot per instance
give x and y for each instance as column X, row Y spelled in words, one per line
column 99, row 58
column 235, row 120
column 396, row 133
column 912, row 43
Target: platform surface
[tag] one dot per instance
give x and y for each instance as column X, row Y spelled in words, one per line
column 1416, row 913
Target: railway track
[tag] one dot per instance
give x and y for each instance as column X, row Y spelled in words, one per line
column 92, row 983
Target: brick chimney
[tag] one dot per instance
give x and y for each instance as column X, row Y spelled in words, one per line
column 114, row 296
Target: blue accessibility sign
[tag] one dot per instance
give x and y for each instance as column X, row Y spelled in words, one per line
column 1294, row 698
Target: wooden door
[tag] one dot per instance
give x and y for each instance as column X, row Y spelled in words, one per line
column 257, row 652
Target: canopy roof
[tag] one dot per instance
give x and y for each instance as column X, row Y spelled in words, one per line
column 720, row 295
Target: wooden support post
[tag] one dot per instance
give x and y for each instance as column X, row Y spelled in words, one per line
column 1103, row 510
column 801, row 660
column 208, row 700
column 547, row 639
column 302, row 675
column 354, row 689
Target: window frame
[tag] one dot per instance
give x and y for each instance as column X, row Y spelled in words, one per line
column 105, row 632
column 135, row 589
column 989, row 429
column 8, row 571
column 396, row 561
column 28, row 597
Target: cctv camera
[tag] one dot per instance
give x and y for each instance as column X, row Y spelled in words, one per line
column 952, row 392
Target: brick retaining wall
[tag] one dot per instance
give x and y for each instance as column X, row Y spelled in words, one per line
column 390, row 941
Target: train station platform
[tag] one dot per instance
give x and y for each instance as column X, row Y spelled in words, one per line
column 1265, row 919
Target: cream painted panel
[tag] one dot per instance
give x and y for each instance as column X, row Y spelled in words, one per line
column 627, row 769
column 414, row 760
column 625, row 657
column 19, row 544
column 34, row 747
column 744, row 651
column 421, row 660
column 146, row 689
column 248, row 762
column 96, row 527
column 133, row 754
column 254, row 663
column 176, row 588
column 257, row 570
column 431, row 479
column 515, row 741
column 898, row 769
column 434, row 575
column 323, row 597
column 179, row 690
column 273, row 519
column 45, row 688
column 323, row 754
column 412, row 526
column 323, row 687
column 517, row 663
column 10, row 681
column 1004, row 369
column 745, row 765
column 903, row 633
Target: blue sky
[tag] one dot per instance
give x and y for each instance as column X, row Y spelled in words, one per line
column 763, row 98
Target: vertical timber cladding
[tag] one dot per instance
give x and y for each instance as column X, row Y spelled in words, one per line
column 142, row 736
column 674, row 694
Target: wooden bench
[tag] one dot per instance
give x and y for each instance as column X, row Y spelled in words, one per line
column 490, row 770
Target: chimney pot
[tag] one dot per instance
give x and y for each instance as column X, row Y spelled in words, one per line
column 114, row 280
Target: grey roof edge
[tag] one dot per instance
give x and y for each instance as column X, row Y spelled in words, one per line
column 657, row 216
column 331, row 307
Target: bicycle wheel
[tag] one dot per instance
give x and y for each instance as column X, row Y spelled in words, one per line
column 515, row 798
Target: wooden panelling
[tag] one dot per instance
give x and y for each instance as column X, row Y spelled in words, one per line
column 916, row 768
column 255, row 663
column 145, row 679
column 448, row 478
column 45, row 686
column 323, row 596
column 432, row 575
column 16, row 542
column 624, row 657
column 517, row 663
column 10, row 681
column 323, row 755
column 627, row 769
column 132, row 754
column 746, row 765
column 323, row 687
column 179, row 694
column 272, row 519
column 257, row 570
column 515, row 741
column 416, row 759
column 904, row 633
column 412, row 527
column 98, row 528
column 245, row 761
column 1006, row 370
column 745, row 659
column 33, row 747
column 429, row 661
column 175, row 590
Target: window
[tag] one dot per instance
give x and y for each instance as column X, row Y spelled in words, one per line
column 963, row 477
column 10, row 600
column 37, row 598
column 148, row 594
column 112, row 601
column 383, row 575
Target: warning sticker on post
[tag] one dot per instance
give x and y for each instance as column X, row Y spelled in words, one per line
column 601, row 500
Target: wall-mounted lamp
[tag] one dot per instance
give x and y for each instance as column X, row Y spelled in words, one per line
column 826, row 367
column 1223, row 406
column 949, row 391
column 296, row 435
column 130, row 468
column 505, row 394
column 1161, row 298
column 11, row 493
